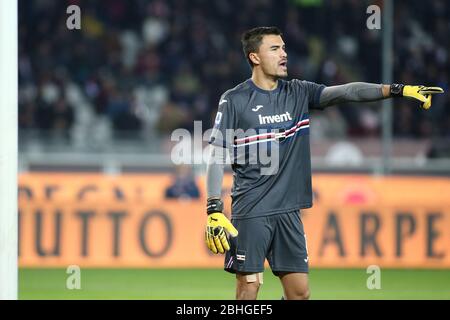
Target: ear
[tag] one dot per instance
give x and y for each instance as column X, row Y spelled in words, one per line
column 254, row 58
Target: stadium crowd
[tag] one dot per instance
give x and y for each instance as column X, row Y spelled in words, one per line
column 148, row 67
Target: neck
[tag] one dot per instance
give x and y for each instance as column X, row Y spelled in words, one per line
column 264, row 81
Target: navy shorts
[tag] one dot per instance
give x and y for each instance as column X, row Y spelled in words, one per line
column 280, row 238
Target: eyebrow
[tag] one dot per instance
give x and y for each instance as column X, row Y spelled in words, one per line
column 277, row 46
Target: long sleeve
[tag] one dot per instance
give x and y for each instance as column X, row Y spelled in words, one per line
column 351, row 92
column 215, row 171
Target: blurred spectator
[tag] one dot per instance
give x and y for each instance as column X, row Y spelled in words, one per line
column 63, row 116
column 171, row 118
column 184, row 185
column 192, row 50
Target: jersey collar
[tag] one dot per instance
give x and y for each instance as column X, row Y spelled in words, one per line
column 255, row 87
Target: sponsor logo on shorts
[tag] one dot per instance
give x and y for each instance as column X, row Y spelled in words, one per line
column 240, row 257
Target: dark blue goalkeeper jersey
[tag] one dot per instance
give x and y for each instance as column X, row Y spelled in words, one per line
column 267, row 134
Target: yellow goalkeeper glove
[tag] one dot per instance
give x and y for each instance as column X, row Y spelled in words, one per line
column 421, row 93
column 216, row 225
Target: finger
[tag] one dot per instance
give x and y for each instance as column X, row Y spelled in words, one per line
column 431, row 90
column 211, row 244
column 224, row 241
column 213, row 247
column 426, row 105
column 218, row 244
column 208, row 242
column 216, row 236
column 230, row 228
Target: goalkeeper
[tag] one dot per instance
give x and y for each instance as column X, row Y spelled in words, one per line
column 273, row 114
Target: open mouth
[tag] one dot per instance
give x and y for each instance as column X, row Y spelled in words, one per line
column 283, row 64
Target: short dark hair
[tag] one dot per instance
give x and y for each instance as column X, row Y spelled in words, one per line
column 251, row 39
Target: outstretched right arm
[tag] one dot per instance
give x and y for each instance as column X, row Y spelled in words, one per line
column 365, row 92
column 353, row 92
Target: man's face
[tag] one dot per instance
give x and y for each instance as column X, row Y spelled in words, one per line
column 272, row 57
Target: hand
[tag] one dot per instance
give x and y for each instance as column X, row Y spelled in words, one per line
column 216, row 238
column 421, row 93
